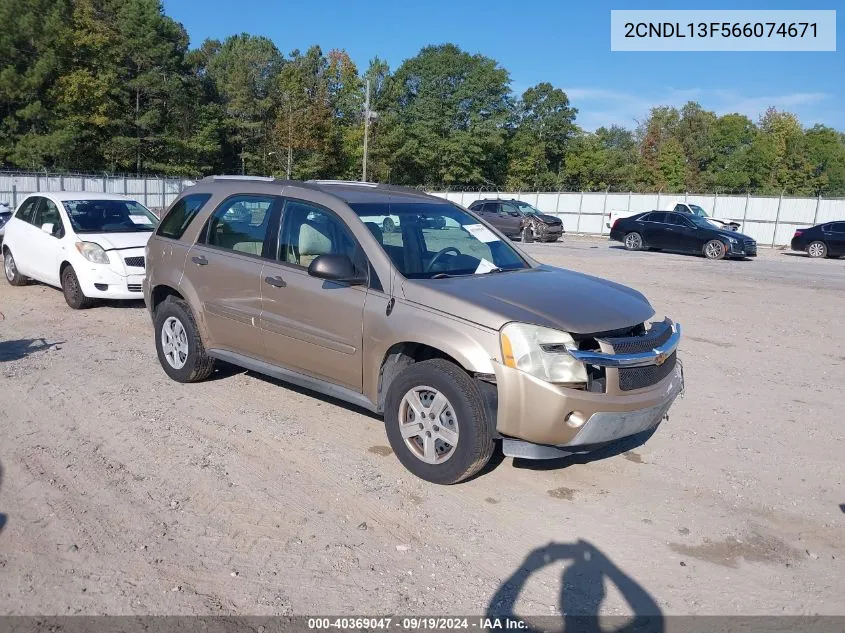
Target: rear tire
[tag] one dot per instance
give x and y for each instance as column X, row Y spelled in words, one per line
column 460, row 413
column 633, row 241
column 13, row 276
column 74, row 296
column 178, row 343
column 817, row 249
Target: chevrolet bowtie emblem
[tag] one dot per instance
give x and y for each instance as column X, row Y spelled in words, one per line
column 660, row 358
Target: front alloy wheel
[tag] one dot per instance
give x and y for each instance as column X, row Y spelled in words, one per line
column 428, row 424
column 715, row 249
column 436, row 422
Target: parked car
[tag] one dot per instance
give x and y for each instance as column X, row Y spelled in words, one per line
column 91, row 245
column 455, row 336
column 5, row 214
column 511, row 217
column 682, row 232
column 822, row 240
column 680, row 207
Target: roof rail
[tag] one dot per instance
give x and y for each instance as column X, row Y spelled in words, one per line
column 224, row 177
column 344, row 182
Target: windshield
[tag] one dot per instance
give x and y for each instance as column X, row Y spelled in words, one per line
column 702, row 222
column 109, row 216
column 697, row 210
column 432, row 240
column 527, row 209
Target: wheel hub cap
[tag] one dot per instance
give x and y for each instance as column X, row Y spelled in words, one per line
column 9, row 265
column 174, row 343
column 428, row 425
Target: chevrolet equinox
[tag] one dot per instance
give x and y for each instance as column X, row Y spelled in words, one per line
column 443, row 326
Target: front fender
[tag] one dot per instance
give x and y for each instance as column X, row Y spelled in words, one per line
column 472, row 346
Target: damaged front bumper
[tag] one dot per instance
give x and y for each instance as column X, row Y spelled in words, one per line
column 542, row 420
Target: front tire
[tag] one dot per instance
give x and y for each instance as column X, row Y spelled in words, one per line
column 74, row 296
column 715, row 249
column 817, row 250
column 633, row 241
column 436, row 422
column 178, row 343
column 13, row 276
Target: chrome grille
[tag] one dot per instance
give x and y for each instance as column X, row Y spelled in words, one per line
column 639, row 377
column 654, row 337
column 750, row 247
column 135, row 262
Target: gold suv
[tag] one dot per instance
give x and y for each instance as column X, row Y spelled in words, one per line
column 409, row 306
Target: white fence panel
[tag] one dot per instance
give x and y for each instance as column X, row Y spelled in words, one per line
column 764, row 209
column 729, row 208
column 831, row 210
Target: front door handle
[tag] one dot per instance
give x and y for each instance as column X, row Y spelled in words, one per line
column 278, row 282
column 200, row 260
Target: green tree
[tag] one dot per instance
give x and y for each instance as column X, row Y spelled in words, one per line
column 445, row 112
column 244, row 70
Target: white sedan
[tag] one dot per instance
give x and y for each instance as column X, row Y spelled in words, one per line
column 91, row 245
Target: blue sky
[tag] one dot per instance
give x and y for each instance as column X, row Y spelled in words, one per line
column 560, row 42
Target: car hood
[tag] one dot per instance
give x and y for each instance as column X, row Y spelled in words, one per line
column 548, row 219
column 547, row 296
column 117, row 241
column 734, row 234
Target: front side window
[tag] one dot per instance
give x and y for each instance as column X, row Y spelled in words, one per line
column 176, row 222
column 240, row 224
column 438, row 240
column 48, row 213
column 309, row 231
column 509, row 208
column 109, row 216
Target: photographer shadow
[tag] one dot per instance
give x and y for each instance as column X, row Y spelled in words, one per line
column 582, row 590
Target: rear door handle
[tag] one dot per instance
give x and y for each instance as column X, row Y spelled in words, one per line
column 200, row 260
column 278, row 282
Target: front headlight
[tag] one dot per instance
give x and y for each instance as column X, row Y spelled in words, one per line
column 93, row 252
column 541, row 352
column 732, row 240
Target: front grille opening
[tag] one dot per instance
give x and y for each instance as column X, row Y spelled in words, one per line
column 134, row 287
column 596, row 376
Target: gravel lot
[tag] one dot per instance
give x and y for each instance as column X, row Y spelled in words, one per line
column 125, row 493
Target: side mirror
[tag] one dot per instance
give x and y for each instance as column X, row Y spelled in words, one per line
column 514, row 214
column 336, row 268
column 48, row 228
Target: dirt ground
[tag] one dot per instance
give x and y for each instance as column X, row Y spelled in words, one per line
column 123, row 492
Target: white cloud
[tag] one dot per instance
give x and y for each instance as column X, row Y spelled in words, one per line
column 600, row 106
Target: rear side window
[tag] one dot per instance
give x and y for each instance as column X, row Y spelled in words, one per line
column 838, row 227
column 183, row 212
column 27, row 209
column 240, row 224
column 657, row 217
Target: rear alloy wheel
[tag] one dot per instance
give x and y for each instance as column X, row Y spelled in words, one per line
column 74, row 296
column 817, row 250
column 633, row 241
column 436, row 424
column 388, row 226
column 715, row 249
column 11, row 269
column 178, row 343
